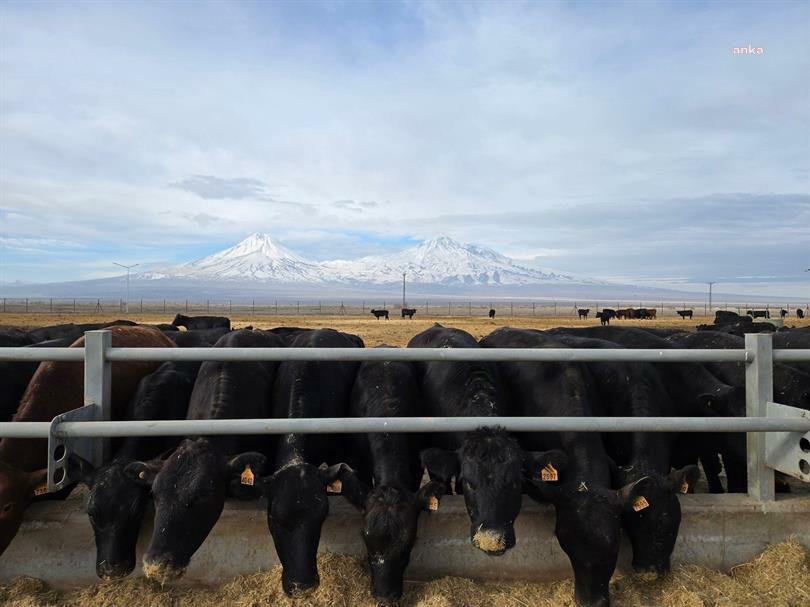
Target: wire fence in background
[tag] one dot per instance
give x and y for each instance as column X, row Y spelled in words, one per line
column 362, row 308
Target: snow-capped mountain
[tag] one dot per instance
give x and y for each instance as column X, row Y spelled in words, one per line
column 257, row 257
column 445, row 261
column 440, row 261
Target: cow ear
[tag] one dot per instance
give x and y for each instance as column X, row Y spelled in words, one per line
column 429, row 495
column 80, row 470
column 245, row 471
column 352, row 487
column 638, row 495
column 442, row 465
column 37, row 483
column 143, row 473
column 544, row 465
column 685, row 479
column 333, row 476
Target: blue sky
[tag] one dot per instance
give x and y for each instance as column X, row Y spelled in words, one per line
column 618, row 140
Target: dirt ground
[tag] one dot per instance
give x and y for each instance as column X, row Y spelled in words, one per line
column 779, row 577
column 394, row 332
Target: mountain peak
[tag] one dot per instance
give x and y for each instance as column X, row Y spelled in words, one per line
column 262, row 246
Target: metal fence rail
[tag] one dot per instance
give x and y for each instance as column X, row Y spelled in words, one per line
column 86, row 430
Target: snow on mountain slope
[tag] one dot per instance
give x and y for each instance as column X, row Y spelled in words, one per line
column 257, row 257
column 440, row 260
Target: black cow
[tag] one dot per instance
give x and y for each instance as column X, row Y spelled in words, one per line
column 288, row 334
column 196, row 338
column 583, row 312
column 17, row 338
column 799, row 313
column 164, row 394
column 297, row 504
column 492, row 312
column 684, row 314
column 409, row 312
column 386, row 487
column 202, row 322
column 783, row 313
column 589, row 513
column 723, row 317
column 695, row 392
column 380, row 314
column 487, row 463
column 759, row 313
column 190, row 487
column 604, row 318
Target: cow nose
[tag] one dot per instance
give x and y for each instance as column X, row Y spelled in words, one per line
column 162, row 571
column 493, row 540
column 659, row 568
column 298, row 589
column 110, row 571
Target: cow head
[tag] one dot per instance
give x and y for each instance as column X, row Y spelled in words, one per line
column 189, row 489
column 180, row 320
column 588, row 528
column 489, row 466
column 651, row 516
column 297, row 506
column 390, row 516
column 17, row 489
column 116, row 507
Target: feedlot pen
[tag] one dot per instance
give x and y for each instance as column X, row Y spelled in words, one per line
column 719, row 531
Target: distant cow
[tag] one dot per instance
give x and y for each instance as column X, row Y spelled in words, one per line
column 201, row 322
column 799, row 313
column 380, row 313
column 685, row 314
column 759, row 313
column 651, row 312
column 783, row 313
column 583, row 312
column 604, row 317
column 409, row 312
column 492, row 312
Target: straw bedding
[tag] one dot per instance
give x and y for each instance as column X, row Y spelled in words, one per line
column 779, row 577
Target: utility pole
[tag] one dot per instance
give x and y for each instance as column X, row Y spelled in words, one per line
column 403, row 290
column 710, row 295
column 128, row 268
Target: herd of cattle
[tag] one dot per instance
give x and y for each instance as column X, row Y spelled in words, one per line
column 600, row 486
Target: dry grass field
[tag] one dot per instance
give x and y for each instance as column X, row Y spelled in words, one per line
column 780, row 577
column 395, row 332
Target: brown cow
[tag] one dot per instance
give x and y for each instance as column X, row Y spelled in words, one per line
column 651, row 313
column 55, row 388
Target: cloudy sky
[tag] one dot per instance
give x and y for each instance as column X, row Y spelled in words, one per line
column 620, row 140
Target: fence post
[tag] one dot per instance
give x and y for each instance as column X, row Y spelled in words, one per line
column 74, row 305
column 26, row 305
column 512, row 308
column 51, row 305
column 97, row 382
column 758, row 391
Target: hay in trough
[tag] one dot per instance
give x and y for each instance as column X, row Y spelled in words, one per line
column 779, row 577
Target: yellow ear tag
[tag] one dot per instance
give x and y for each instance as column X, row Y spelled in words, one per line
column 433, row 503
column 549, row 473
column 41, row 490
column 640, row 503
column 684, row 487
column 335, row 486
column 247, row 476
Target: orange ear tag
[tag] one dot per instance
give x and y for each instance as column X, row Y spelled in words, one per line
column 247, row 476
column 684, row 487
column 41, row 490
column 640, row 503
column 433, row 503
column 335, row 486
column 549, row 473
